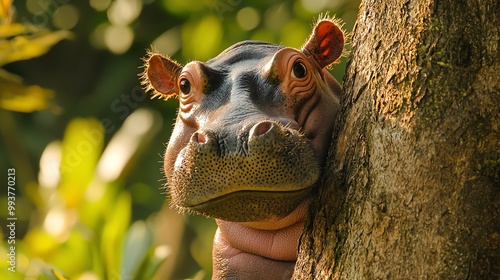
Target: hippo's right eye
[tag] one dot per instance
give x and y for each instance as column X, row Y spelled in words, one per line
column 299, row 70
column 185, row 86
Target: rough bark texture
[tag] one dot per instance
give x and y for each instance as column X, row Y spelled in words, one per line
column 413, row 187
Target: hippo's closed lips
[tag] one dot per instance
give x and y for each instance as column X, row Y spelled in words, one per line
column 214, row 180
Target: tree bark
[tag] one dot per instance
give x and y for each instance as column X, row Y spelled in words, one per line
column 412, row 190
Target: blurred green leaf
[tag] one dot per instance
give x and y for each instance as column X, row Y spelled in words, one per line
column 58, row 275
column 40, row 243
column 183, row 7
column 113, row 233
column 81, row 149
column 15, row 96
column 200, row 275
column 137, row 251
column 76, row 246
column 201, row 247
column 202, row 38
column 156, row 256
column 99, row 196
column 137, row 242
column 5, row 11
column 295, row 33
column 21, row 42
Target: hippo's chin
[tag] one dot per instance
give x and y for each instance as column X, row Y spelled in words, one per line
column 248, row 206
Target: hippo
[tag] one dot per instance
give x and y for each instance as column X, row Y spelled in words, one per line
column 250, row 143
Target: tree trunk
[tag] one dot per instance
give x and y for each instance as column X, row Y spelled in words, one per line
column 413, row 186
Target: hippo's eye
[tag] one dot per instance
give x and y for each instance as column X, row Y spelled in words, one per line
column 299, row 70
column 185, row 86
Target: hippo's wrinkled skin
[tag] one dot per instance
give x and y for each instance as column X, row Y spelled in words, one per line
column 249, row 144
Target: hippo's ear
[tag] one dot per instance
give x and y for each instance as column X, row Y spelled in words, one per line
column 160, row 75
column 326, row 43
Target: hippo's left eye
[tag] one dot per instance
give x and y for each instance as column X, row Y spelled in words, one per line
column 185, row 86
column 299, row 70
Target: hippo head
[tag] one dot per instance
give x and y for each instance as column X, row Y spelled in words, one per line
column 253, row 127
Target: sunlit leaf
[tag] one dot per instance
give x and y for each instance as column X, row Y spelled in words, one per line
column 137, row 242
column 21, row 42
column 202, row 39
column 7, row 76
column 5, row 11
column 294, row 33
column 81, row 147
column 113, row 233
column 263, row 35
column 96, row 205
column 58, row 275
column 183, row 7
column 76, row 246
column 9, row 31
column 127, row 143
column 156, row 256
column 201, row 247
column 200, row 275
column 39, row 243
column 15, row 96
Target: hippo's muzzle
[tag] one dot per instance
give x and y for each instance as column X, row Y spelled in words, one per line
column 267, row 173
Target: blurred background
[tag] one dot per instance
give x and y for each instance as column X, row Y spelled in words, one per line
column 86, row 141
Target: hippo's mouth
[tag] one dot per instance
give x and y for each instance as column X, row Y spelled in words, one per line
column 248, row 205
column 271, row 178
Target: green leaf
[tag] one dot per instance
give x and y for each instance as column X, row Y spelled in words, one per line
column 58, row 275
column 156, row 256
column 81, row 149
column 21, row 42
column 39, row 243
column 207, row 32
column 201, row 246
column 77, row 246
column 138, row 241
column 15, row 96
column 5, row 11
column 182, row 7
column 113, row 233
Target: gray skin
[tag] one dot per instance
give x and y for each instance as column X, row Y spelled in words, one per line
column 249, row 144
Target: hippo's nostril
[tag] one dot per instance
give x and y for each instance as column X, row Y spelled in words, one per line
column 199, row 138
column 262, row 128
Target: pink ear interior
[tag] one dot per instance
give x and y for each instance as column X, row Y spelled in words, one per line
column 326, row 43
column 162, row 74
column 331, row 40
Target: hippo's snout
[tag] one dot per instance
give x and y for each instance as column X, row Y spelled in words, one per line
column 266, row 166
column 262, row 128
column 256, row 131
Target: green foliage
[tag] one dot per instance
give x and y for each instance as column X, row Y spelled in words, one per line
column 15, row 96
column 21, row 42
column 84, row 226
column 206, row 32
